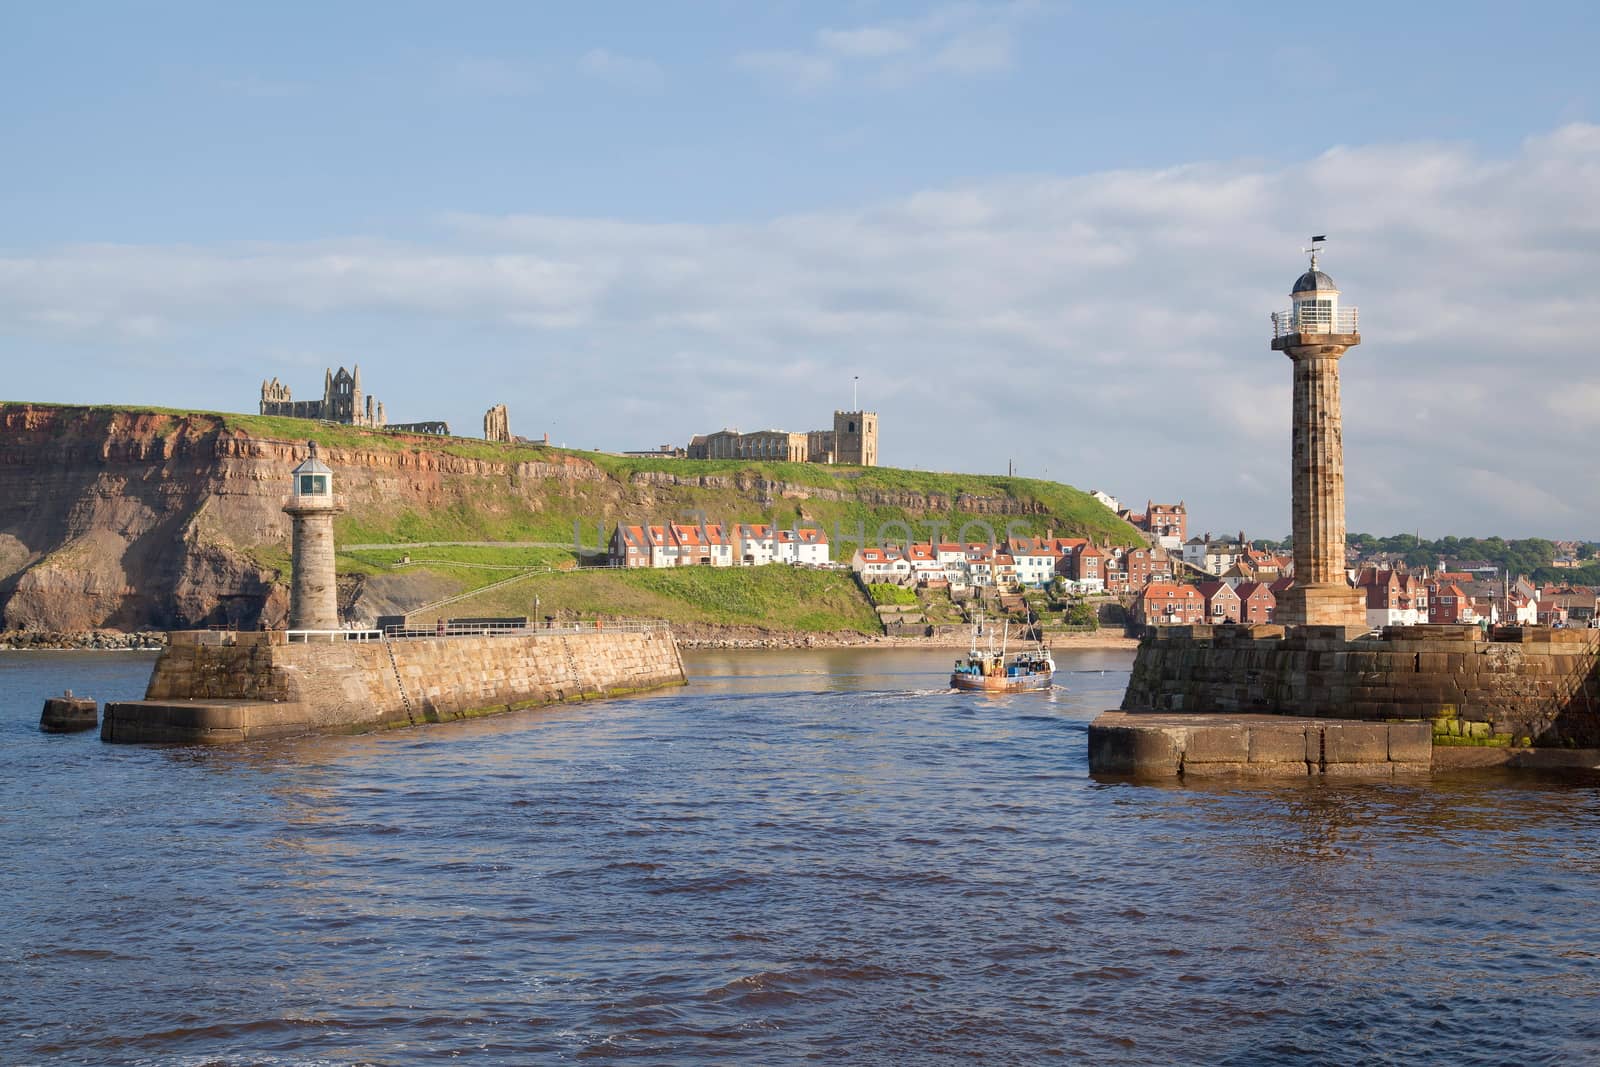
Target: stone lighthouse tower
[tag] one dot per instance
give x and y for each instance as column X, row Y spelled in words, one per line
column 313, row 596
column 1314, row 333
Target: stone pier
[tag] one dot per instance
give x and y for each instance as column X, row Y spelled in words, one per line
column 1504, row 696
column 217, row 687
column 1318, row 694
column 1157, row 745
column 1531, row 684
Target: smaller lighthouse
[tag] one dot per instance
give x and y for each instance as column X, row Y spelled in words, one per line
column 313, row 594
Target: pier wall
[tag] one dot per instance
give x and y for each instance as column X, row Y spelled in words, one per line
column 1155, row 745
column 1519, row 685
column 211, row 687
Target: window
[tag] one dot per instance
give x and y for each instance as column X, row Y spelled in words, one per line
column 1316, row 314
column 313, row 485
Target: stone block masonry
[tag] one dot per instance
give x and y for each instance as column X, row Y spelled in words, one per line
column 1157, row 745
column 1520, row 684
column 217, row 687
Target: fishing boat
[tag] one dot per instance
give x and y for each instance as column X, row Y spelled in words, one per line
column 986, row 670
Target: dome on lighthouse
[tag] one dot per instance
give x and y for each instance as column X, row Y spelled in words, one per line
column 1313, row 281
column 312, row 479
column 312, row 464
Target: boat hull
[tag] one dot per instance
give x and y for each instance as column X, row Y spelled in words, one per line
column 977, row 683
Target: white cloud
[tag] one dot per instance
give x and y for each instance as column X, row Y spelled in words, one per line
column 1501, row 490
column 958, row 39
column 1110, row 327
column 1577, row 403
column 796, row 71
column 628, row 72
column 867, row 41
column 488, row 76
column 979, row 52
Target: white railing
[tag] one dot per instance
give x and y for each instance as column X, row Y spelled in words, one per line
column 1343, row 320
column 568, row 627
column 305, row 637
column 465, row 628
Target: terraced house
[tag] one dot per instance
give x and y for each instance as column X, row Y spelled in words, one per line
column 713, row 545
column 881, row 565
column 1169, row 604
column 1166, row 525
column 1257, row 604
column 1394, row 597
column 670, row 545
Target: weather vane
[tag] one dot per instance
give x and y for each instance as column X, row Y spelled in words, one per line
column 1316, row 239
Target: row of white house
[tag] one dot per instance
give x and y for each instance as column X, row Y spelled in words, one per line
column 1031, row 561
column 715, row 545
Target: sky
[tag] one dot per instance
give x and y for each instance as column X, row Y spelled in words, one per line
column 1043, row 234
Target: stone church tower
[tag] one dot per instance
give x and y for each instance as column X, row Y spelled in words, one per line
column 855, row 438
column 1314, row 333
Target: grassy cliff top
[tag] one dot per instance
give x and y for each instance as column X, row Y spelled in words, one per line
column 1068, row 510
column 775, row 598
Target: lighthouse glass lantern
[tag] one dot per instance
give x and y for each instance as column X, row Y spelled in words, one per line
column 1316, row 303
column 313, row 482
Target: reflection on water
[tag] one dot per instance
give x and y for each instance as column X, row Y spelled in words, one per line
column 811, row 855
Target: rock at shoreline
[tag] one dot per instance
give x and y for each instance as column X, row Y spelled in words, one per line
column 92, row 640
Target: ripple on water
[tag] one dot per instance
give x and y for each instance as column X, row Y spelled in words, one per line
column 837, row 860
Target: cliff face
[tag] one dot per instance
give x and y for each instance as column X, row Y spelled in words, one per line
column 131, row 520
column 120, row 520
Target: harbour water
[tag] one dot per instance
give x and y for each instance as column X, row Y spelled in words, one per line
column 805, row 856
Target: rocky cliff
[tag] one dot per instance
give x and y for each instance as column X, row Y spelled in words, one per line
column 137, row 519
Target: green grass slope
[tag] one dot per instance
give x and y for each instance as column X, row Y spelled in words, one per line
column 774, row 598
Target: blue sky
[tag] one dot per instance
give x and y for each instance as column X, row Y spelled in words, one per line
column 1056, row 226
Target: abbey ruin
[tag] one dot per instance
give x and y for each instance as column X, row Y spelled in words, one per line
column 497, row 424
column 342, row 402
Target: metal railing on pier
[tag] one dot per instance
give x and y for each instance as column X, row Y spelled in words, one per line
column 309, row 637
column 485, row 628
column 1313, row 320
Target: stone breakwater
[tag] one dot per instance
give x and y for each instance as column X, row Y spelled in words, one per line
column 1516, row 686
column 1155, row 745
column 91, row 640
column 218, row 687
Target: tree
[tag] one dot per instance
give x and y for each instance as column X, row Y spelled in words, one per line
column 1083, row 614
